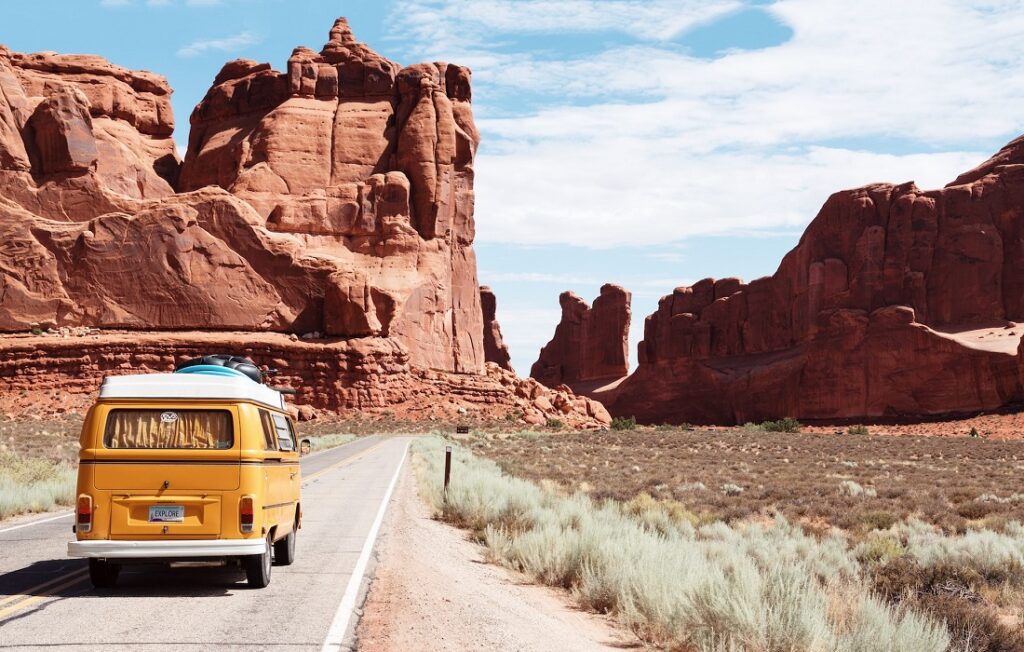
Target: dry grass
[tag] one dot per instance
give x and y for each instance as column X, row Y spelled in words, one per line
column 323, row 442
column 765, row 587
column 813, row 480
column 911, row 509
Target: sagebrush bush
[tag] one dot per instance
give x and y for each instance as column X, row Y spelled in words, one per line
column 857, row 430
column 787, row 424
column 623, row 423
column 855, row 490
column 34, row 485
column 765, row 587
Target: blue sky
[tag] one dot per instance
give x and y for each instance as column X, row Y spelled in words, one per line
column 648, row 143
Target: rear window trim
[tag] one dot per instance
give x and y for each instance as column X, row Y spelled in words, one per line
column 111, row 411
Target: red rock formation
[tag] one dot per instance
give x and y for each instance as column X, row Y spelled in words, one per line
column 335, row 198
column 589, row 343
column 494, row 345
column 366, row 374
column 875, row 313
column 356, row 213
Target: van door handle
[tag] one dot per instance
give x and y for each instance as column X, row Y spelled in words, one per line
column 273, row 459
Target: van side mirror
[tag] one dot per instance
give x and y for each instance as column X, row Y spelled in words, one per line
column 305, row 446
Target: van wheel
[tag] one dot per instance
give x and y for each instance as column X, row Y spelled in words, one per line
column 284, row 550
column 257, row 567
column 103, row 574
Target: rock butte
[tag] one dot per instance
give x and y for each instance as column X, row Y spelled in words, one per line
column 335, row 198
column 590, row 343
column 896, row 303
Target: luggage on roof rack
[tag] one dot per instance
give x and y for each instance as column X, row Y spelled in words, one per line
column 222, row 361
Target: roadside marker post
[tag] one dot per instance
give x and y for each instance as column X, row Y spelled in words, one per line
column 447, row 468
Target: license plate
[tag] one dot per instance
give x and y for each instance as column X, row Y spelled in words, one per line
column 166, row 514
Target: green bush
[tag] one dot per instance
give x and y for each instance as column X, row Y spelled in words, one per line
column 34, row 485
column 555, row 424
column 623, row 423
column 859, row 429
column 788, row 424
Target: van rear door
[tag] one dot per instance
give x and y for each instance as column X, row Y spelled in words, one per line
column 166, row 469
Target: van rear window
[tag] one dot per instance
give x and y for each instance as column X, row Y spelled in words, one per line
column 196, row 429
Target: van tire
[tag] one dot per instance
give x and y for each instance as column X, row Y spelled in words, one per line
column 257, row 567
column 103, row 574
column 284, row 550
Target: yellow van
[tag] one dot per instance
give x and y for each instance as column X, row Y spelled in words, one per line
column 196, row 465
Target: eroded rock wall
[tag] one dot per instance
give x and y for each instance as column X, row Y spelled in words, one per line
column 881, row 310
column 336, row 198
column 590, row 343
column 494, row 344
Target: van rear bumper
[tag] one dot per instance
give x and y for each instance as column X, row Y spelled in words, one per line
column 105, row 549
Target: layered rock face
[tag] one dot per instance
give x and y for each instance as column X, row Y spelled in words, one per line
column 590, row 343
column 336, row 197
column 369, row 375
column 365, row 162
column 896, row 302
column 494, row 345
column 333, row 200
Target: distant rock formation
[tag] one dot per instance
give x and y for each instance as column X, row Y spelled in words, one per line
column 494, row 345
column 590, row 343
column 896, row 303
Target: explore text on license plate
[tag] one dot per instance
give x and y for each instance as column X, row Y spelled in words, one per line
column 166, row 514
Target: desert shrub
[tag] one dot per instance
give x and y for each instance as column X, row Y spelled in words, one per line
column 758, row 587
column 879, row 550
column 878, row 519
column 623, row 423
column 787, row 424
column 995, row 556
column 30, row 484
column 554, row 424
column 323, row 442
column 730, row 489
column 950, row 594
column 855, row 490
column 858, row 429
column 975, row 509
column 974, row 433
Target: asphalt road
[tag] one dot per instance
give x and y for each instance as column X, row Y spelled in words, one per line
column 47, row 602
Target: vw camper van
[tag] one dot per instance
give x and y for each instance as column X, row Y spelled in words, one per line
column 197, row 465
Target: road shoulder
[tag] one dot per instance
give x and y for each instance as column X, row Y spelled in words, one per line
column 432, row 588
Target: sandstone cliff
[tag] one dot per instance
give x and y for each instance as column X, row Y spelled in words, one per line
column 590, row 343
column 494, row 345
column 896, row 302
column 334, row 199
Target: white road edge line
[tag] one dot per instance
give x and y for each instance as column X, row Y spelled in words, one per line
column 336, row 634
column 37, row 522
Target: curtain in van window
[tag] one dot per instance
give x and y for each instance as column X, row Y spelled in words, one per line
column 168, row 429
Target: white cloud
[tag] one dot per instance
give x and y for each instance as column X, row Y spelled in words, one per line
column 533, row 277
column 646, row 144
column 224, row 44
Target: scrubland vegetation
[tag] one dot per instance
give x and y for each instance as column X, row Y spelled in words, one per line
column 37, row 465
column 753, row 539
column 323, row 442
column 34, row 485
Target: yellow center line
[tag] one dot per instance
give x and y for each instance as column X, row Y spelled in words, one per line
column 41, row 586
column 343, row 462
column 37, row 593
column 29, row 600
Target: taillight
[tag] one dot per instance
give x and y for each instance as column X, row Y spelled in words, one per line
column 245, row 514
column 84, row 512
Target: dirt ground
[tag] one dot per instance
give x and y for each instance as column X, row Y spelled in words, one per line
column 433, row 590
column 856, row 482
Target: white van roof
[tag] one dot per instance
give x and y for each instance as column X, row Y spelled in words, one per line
column 190, row 386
